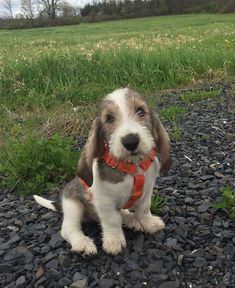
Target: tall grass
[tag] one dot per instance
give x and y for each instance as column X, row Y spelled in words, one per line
column 73, row 77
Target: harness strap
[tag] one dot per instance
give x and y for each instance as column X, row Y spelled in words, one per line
column 137, row 191
column 128, row 168
column 86, row 188
column 113, row 162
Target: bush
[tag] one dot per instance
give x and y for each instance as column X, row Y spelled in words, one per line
column 37, row 165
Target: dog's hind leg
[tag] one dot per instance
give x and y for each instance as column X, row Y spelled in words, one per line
column 71, row 227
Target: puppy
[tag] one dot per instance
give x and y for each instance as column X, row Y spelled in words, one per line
column 126, row 148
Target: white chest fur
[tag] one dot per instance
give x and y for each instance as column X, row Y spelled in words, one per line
column 117, row 195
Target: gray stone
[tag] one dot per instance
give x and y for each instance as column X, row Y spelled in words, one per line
column 227, row 233
column 171, row 242
column 45, row 249
column 4, row 246
column 52, row 264
column 158, row 278
column 14, row 239
column 21, row 280
column 188, row 200
column 204, row 207
column 160, row 236
column 5, row 268
column 207, row 177
column 64, row 282
column 155, row 267
column 131, row 265
column 80, row 283
column 22, row 250
column 138, row 244
column 106, row 283
column 218, row 222
column 136, row 275
column 29, row 267
column 199, row 262
column 168, row 284
column 53, row 275
column 78, row 276
column 56, row 240
column 11, row 255
column 219, row 175
column 64, row 261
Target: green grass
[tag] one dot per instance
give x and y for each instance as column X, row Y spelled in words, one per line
column 157, row 204
column 50, row 71
column 173, row 114
column 36, row 165
column 198, row 96
column 227, row 201
column 42, row 67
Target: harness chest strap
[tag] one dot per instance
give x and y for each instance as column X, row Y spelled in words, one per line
column 128, row 168
column 137, row 191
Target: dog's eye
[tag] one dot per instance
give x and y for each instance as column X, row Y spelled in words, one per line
column 140, row 112
column 110, row 118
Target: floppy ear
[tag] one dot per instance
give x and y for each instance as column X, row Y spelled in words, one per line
column 162, row 141
column 94, row 148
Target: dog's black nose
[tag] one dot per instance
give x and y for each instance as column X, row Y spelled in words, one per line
column 131, row 141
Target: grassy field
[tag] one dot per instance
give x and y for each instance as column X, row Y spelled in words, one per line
column 52, row 78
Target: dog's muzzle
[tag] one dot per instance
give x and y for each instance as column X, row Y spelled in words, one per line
column 131, row 141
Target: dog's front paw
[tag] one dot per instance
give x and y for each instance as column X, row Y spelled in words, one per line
column 84, row 245
column 113, row 243
column 151, row 224
column 130, row 220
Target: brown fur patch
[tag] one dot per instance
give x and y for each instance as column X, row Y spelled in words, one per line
column 75, row 191
column 109, row 174
column 93, row 149
column 109, row 108
column 162, row 141
column 135, row 101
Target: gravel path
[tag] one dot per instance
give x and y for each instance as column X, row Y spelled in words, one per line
column 197, row 248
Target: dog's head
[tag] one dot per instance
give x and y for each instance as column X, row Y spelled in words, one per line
column 129, row 128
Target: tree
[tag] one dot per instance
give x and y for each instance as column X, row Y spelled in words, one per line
column 28, row 9
column 7, row 4
column 67, row 10
column 50, row 7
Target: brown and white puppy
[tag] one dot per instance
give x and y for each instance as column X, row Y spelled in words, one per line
column 130, row 130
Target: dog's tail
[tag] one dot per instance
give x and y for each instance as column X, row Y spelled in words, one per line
column 47, row 203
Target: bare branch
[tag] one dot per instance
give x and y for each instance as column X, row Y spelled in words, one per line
column 50, row 7
column 7, row 5
column 28, row 9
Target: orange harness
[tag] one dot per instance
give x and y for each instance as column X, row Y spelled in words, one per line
column 128, row 168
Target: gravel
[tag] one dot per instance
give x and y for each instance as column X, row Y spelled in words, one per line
column 197, row 247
